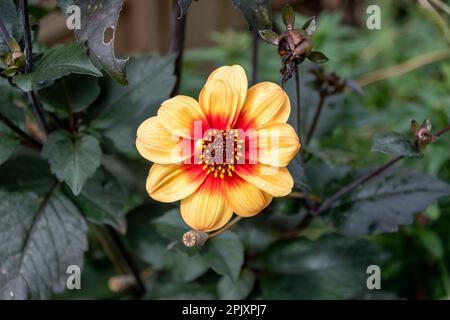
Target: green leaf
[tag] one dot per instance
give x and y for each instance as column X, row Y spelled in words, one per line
column 142, row 235
column 310, row 26
column 56, row 63
column 158, row 251
column 121, row 109
column 26, row 173
column 239, row 290
column 98, row 18
column 224, row 254
column 184, row 267
column 257, row 13
column 332, row 267
column 72, row 159
column 171, row 226
column 317, row 57
column 48, row 234
column 387, row 202
column 75, row 93
column 431, row 242
column 103, row 201
column 288, row 15
column 395, row 144
column 8, row 145
column 269, row 36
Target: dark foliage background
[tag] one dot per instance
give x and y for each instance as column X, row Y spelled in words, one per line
column 75, row 193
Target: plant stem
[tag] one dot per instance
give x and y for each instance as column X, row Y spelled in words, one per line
column 328, row 204
column 119, row 256
column 304, row 195
column 323, row 97
column 177, row 41
column 442, row 131
column 255, row 57
column 443, row 6
column 230, row 224
column 27, row 139
column 37, row 107
column 23, row 7
column 38, row 111
column 297, row 98
column 5, row 33
column 128, row 259
column 404, row 67
column 445, row 278
column 69, row 109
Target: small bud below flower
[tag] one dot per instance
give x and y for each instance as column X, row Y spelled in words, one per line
column 120, row 283
column 194, row 238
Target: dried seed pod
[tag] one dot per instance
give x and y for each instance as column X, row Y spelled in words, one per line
column 194, row 238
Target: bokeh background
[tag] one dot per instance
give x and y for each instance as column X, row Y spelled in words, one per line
column 411, row 49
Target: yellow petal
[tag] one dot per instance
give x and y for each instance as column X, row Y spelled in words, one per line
column 235, row 77
column 169, row 182
column 220, row 102
column 207, row 209
column 277, row 144
column 276, row 181
column 245, row 198
column 158, row 145
column 266, row 104
column 178, row 116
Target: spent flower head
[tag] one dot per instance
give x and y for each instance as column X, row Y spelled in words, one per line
column 294, row 45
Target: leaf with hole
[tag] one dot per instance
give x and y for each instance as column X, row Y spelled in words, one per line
column 98, row 29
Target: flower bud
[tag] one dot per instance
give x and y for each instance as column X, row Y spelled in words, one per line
column 422, row 134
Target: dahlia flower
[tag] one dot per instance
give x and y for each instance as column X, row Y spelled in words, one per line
column 225, row 153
